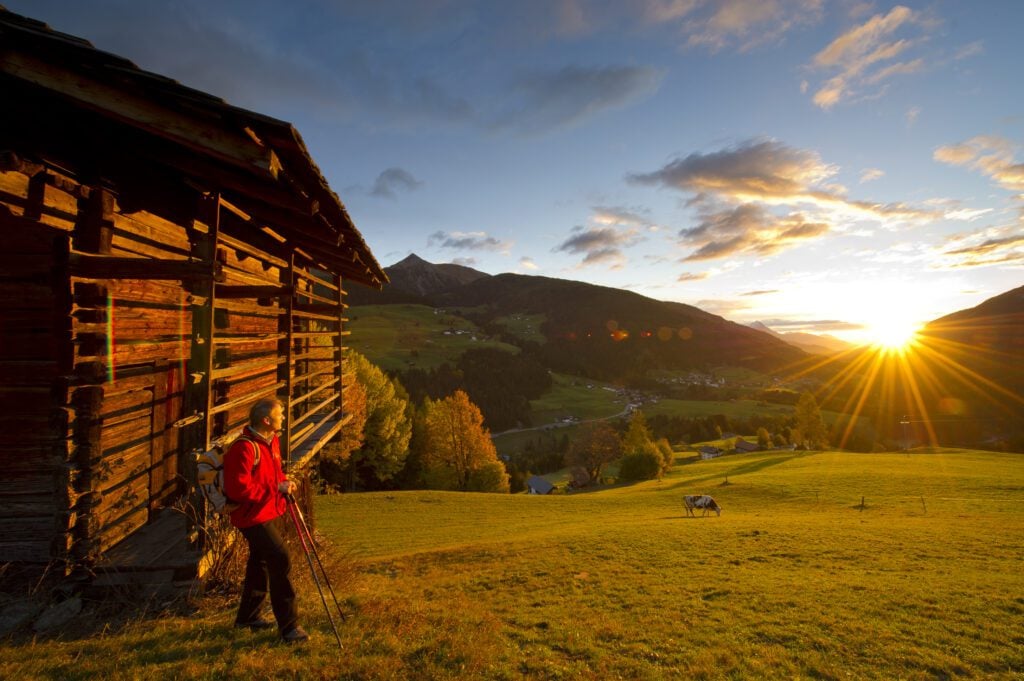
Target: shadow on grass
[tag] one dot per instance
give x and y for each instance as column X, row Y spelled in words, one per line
column 742, row 469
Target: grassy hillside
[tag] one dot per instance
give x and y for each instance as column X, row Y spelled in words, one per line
column 795, row 579
column 396, row 337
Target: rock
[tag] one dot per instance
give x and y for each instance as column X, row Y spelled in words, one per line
column 58, row 615
column 16, row 614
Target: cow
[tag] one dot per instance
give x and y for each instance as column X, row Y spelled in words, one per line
column 701, row 501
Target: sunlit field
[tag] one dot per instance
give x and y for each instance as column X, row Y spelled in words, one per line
column 396, row 337
column 822, row 565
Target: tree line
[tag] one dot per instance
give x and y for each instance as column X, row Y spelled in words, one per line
column 392, row 442
column 441, row 441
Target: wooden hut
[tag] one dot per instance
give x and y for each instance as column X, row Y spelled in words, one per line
column 167, row 259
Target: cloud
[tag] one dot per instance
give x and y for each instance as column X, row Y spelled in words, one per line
column 599, row 245
column 970, row 50
column 747, row 229
column 865, row 56
column 465, row 262
column 990, row 155
column 467, row 241
column 722, row 306
column 994, row 246
column 813, row 324
column 392, row 180
column 763, row 170
column 528, row 263
column 623, row 217
column 762, row 197
column 870, row 175
column 744, row 24
column 912, row 114
column 769, row 173
column 760, row 293
column 693, row 276
column 561, row 98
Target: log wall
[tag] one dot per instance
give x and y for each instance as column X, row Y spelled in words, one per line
column 41, row 484
column 129, row 340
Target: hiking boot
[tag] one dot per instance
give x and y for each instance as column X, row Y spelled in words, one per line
column 295, row 635
column 256, row 624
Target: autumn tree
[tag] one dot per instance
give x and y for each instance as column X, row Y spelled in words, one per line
column 668, row 455
column 596, row 444
column 638, row 435
column 812, row 429
column 387, row 429
column 334, row 458
column 457, row 451
column 764, row 438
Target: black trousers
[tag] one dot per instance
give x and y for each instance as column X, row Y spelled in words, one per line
column 268, row 565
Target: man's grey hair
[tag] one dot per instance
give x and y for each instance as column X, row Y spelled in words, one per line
column 261, row 410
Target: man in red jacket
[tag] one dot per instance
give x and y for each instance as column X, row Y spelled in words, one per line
column 255, row 480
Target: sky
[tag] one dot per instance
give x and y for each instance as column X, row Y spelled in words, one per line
column 837, row 167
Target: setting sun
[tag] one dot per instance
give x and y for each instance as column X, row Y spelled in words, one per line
column 893, row 334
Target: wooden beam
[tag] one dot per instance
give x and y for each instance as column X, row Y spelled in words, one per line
column 269, row 291
column 109, row 267
column 94, row 230
column 198, row 392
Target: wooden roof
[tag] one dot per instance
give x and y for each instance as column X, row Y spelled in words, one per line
column 258, row 163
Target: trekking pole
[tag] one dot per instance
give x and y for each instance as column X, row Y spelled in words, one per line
column 316, row 554
column 316, row 579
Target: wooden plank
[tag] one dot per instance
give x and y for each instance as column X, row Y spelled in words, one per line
column 247, row 307
column 16, row 345
column 247, row 398
column 32, row 550
column 311, row 296
column 312, row 393
column 303, row 452
column 251, row 368
column 250, row 246
column 23, row 399
column 148, row 235
column 132, row 292
column 117, row 530
column 314, row 410
column 251, row 338
column 269, row 291
column 93, row 231
column 239, row 323
column 111, row 267
column 332, row 317
column 115, row 468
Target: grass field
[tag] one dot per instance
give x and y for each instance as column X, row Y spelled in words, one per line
column 398, row 337
column 796, row 579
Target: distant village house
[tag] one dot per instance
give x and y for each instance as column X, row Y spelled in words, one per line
column 538, row 485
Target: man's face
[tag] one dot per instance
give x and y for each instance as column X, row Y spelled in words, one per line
column 276, row 418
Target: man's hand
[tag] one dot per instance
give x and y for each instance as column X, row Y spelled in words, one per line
column 286, row 487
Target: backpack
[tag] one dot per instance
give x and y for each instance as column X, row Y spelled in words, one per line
column 210, row 475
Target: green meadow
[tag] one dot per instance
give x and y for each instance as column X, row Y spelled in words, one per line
column 822, row 565
column 396, row 337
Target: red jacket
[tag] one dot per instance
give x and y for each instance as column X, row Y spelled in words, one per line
column 254, row 487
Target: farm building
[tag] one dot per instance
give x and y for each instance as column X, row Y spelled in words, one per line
column 538, row 485
column 709, row 452
column 168, row 259
column 744, row 446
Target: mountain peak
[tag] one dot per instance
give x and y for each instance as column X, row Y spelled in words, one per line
column 411, row 260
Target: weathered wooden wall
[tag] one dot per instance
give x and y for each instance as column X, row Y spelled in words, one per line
column 103, row 364
column 40, row 484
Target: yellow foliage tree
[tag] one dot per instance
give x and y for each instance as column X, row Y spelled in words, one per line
column 458, row 452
